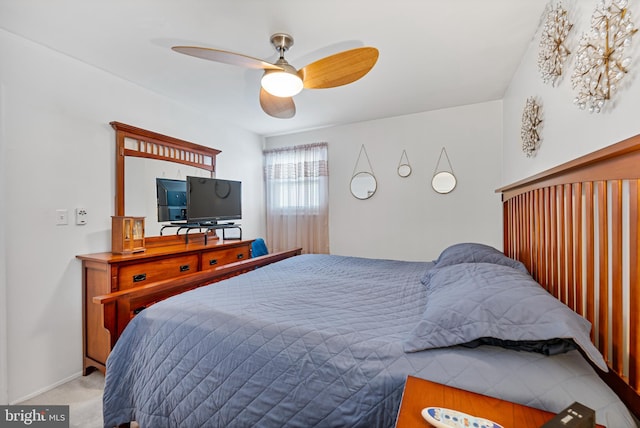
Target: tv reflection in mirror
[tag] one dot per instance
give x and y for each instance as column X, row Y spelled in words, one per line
column 210, row 200
column 172, row 200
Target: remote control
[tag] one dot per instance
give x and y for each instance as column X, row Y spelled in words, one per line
column 447, row 418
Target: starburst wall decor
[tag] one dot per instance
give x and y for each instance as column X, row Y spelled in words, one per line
column 553, row 52
column 531, row 120
column 601, row 63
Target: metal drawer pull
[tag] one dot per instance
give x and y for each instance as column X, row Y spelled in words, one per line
column 184, row 268
column 240, row 256
column 213, row 262
column 140, row 277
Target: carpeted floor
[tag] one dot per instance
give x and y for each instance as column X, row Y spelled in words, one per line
column 84, row 397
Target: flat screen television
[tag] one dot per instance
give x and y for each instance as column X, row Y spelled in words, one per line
column 172, row 199
column 210, row 200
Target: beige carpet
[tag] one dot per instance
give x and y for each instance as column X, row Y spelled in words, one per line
column 84, row 397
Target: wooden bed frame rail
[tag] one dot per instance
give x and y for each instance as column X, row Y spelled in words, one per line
column 121, row 306
column 576, row 228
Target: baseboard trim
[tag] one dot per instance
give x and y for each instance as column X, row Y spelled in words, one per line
column 46, row 389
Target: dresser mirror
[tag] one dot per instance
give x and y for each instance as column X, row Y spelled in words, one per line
column 140, row 187
column 141, row 157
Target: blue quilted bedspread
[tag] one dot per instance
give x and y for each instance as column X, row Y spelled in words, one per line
column 315, row 340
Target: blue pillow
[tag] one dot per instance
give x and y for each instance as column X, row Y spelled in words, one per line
column 468, row 302
column 259, row 248
column 471, row 252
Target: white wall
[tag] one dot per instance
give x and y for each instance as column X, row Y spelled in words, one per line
column 4, row 397
column 405, row 218
column 567, row 131
column 58, row 152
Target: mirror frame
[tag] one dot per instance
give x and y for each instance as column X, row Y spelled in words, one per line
column 449, row 179
column 370, row 193
column 151, row 145
column 404, row 170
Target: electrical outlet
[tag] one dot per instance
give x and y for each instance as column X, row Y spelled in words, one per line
column 62, row 217
column 81, row 216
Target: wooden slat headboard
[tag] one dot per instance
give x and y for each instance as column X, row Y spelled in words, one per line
column 576, row 229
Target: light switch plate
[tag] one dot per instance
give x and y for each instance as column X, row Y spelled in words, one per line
column 62, row 216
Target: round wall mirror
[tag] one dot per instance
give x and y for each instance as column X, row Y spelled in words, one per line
column 404, row 170
column 363, row 185
column 443, row 182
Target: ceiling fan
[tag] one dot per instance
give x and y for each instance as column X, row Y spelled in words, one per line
column 281, row 81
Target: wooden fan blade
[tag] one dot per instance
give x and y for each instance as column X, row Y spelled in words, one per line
column 279, row 107
column 339, row 69
column 226, row 57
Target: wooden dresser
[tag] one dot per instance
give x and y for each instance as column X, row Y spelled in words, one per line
column 104, row 273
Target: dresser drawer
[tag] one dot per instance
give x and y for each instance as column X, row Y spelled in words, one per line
column 144, row 273
column 214, row 258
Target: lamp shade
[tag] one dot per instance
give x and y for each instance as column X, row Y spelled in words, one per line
column 281, row 83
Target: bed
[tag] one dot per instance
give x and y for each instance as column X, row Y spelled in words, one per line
column 322, row 340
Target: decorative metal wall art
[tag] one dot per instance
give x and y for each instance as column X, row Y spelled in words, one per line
column 531, row 120
column 601, row 63
column 553, row 52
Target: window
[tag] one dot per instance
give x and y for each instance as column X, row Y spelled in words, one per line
column 297, row 195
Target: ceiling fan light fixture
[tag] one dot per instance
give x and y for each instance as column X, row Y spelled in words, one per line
column 281, row 83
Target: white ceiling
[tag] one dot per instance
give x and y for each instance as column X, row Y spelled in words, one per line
column 433, row 54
